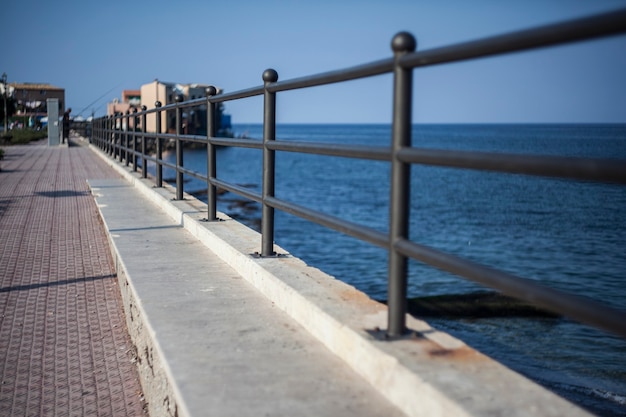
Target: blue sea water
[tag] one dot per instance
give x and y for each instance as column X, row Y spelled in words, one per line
column 566, row 234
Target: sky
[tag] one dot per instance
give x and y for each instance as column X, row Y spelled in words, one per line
column 96, row 49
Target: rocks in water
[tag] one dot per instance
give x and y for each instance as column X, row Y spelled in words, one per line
column 474, row 305
column 245, row 211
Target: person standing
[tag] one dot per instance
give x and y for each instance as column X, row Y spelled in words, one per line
column 66, row 125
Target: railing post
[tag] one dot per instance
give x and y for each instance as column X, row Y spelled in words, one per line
column 179, row 149
column 111, row 140
column 126, row 117
column 134, row 147
column 211, row 156
column 95, row 128
column 120, row 137
column 144, row 163
column 120, row 134
column 114, row 136
column 159, row 149
column 269, row 157
column 105, row 134
column 401, row 44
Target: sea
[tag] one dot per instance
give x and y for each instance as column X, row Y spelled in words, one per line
column 566, row 234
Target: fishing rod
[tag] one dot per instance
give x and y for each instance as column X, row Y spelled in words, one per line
column 98, row 99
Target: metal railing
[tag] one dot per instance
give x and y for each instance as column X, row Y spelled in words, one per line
column 122, row 143
column 83, row 128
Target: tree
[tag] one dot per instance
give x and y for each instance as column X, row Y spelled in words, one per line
column 11, row 106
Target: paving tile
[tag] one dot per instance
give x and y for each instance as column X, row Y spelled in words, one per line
column 64, row 346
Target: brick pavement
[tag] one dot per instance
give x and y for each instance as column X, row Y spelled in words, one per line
column 64, row 345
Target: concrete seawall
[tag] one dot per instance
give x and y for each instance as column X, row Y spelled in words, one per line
column 426, row 373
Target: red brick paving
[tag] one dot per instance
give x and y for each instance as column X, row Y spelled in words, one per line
column 64, row 346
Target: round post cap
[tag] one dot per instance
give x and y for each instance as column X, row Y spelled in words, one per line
column 403, row 42
column 270, row 75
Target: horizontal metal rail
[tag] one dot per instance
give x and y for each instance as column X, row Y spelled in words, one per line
column 238, row 143
column 384, row 66
column 167, row 164
column 191, row 173
column 237, row 189
column 349, row 228
column 250, row 92
column 194, row 138
column 578, row 308
column 606, row 170
column 107, row 133
column 549, row 35
column 376, row 153
column 196, row 102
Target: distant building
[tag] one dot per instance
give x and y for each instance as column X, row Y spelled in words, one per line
column 31, row 99
column 150, row 94
column 131, row 99
column 194, row 118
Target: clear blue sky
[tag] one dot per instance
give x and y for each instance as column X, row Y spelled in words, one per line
column 95, row 49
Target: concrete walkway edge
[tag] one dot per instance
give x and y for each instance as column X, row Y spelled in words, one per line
column 427, row 373
column 160, row 383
